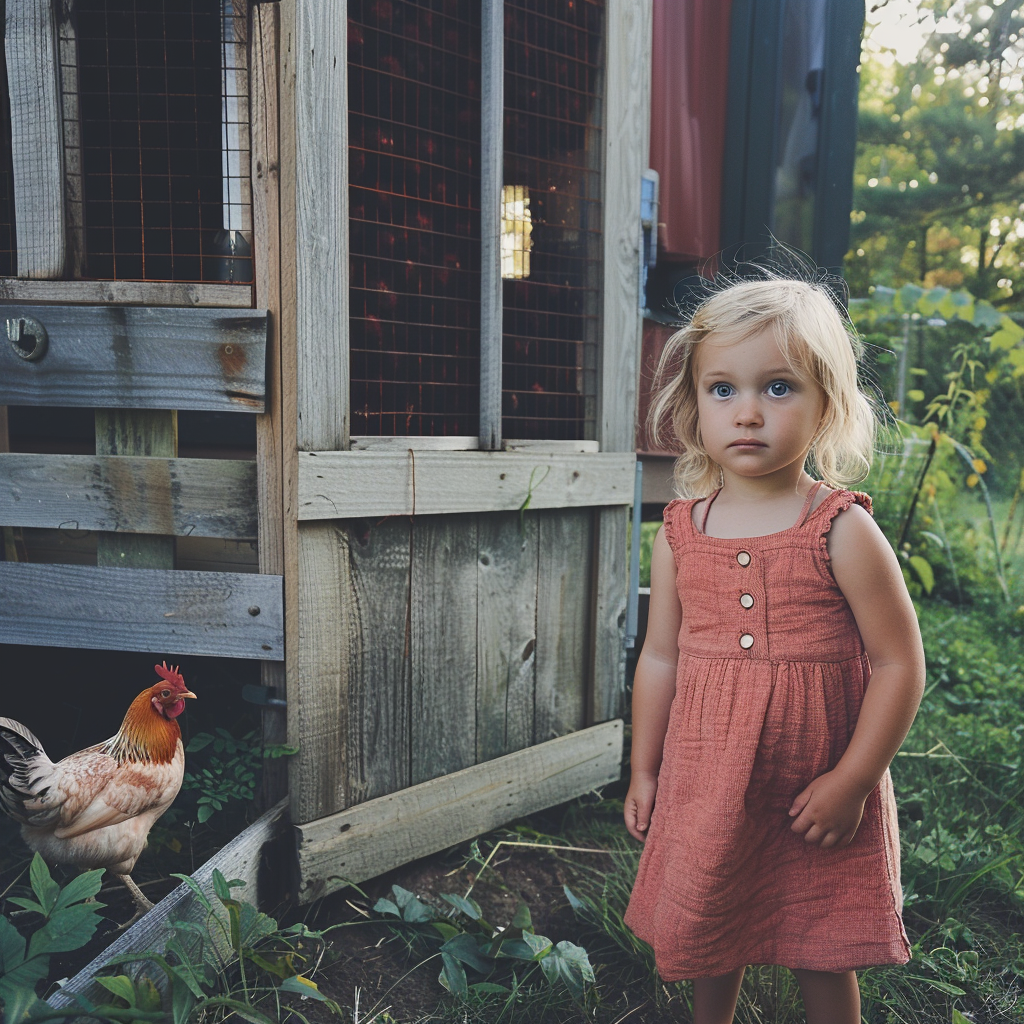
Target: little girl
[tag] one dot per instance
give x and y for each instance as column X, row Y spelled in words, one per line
column 782, row 667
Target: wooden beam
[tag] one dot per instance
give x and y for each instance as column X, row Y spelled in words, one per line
column 37, row 147
column 175, row 497
column 371, row 838
column 607, row 692
column 627, row 102
column 241, row 858
column 126, row 293
column 492, row 159
column 336, row 485
column 265, row 163
column 154, row 610
column 141, row 358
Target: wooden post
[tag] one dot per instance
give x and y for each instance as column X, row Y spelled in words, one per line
column 627, row 105
column 492, row 154
column 136, row 432
column 265, row 162
column 74, row 205
column 36, row 143
column 315, row 378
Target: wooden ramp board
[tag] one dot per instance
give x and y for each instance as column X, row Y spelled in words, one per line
column 368, row 839
column 126, row 494
column 135, row 357
column 162, row 611
column 340, row 485
column 239, row 859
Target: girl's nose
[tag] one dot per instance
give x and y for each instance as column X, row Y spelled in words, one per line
column 748, row 412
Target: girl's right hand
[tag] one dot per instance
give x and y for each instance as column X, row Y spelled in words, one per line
column 639, row 804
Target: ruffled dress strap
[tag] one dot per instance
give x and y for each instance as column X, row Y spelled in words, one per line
column 822, row 518
column 679, row 523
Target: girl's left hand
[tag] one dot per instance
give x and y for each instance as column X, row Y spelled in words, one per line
column 829, row 810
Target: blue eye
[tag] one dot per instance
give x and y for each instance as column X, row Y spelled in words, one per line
column 778, row 389
column 721, row 390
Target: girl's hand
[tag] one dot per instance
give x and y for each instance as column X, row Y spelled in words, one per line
column 829, row 810
column 639, row 804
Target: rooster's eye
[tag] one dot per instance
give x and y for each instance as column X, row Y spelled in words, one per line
column 165, row 693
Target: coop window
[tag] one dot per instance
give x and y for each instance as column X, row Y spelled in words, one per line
column 156, row 136
column 414, row 178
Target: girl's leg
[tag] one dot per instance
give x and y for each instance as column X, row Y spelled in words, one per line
column 714, row 999
column 830, row 998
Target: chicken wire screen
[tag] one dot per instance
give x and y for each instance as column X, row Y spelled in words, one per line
column 551, row 217
column 414, row 208
column 156, row 118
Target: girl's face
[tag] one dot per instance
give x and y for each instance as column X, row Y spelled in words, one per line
column 757, row 415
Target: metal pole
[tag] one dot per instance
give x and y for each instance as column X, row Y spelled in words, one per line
column 492, row 116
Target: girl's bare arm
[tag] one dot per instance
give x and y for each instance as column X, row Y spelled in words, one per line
column 828, row 811
column 654, row 686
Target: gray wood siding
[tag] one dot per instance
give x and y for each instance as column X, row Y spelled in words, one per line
column 132, row 357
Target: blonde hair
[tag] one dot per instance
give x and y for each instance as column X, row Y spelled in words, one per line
column 814, row 336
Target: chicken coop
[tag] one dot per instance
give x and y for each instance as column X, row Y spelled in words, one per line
column 322, row 329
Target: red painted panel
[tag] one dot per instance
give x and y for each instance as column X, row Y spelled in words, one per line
column 690, row 71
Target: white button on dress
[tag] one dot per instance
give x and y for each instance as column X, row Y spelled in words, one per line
column 746, row 641
column 743, row 557
column 747, row 600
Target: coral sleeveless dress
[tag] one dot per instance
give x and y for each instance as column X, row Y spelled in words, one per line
column 771, row 675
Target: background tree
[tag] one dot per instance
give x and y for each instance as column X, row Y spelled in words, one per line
column 939, row 178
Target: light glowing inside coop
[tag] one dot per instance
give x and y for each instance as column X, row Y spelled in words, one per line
column 516, row 227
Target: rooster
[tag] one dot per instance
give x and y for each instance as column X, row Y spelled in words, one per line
column 94, row 809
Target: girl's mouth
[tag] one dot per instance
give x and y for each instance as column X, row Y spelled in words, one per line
column 748, row 442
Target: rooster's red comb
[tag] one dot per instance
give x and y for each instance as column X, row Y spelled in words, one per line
column 172, row 675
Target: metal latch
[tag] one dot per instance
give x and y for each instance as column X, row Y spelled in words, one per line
column 27, row 337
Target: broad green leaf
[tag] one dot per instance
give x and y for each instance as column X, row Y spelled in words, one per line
column 489, row 988
column 304, row 987
column 464, row 948
column 445, row 930
column 882, row 298
column 81, row 887
column 412, row 909
column 196, row 888
column 540, row 944
column 147, row 995
column 574, row 901
column 12, row 947
column 929, row 302
column 569, row 964
column 220, row 886
column 244, row 1010
column 45, row 888
column 959, row 1018
column 385, row 906
column 905, row 300
column 942, row 986
column 963, row 303
column 200, row 740
column 18, row 987
column 924, row 572
column 915, row 395
column 26, row 904
column 522, row 918
column 121, row 986
column 453, row 977
column 515, row 948
column 986, row 315
column 467, row 906
column 69, row 928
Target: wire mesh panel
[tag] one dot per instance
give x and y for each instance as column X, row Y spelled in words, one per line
column 414, row 196
column 159, row 88
column 8, row 247
column 551, row 216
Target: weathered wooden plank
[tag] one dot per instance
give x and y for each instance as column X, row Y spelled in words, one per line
column 240, row 858
column 379, row 658
column 627, row 92
column 506, row 632
column 443, row 645
column 609, row 615
column 140, row 358
column 166, row 611
column 315, row 107
column 126, row 293
column 318, row 706
column 460, row 443
column 265, row 161
column 145, row 432
column 179, row 497
column 367, row 840
column 36, row 137
column 564, row 579
column 74, row 208
column 342, row 484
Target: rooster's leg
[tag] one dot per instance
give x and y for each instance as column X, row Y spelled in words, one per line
column 141, row 903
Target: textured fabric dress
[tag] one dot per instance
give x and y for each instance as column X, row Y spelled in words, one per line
column 771, row 676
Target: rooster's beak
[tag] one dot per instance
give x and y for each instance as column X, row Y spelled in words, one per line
column 187, row 693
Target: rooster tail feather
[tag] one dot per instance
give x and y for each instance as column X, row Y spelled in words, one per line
column 25, row 775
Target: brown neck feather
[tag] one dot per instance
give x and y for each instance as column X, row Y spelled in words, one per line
column 145, row 735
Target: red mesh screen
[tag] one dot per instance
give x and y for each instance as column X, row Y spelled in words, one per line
column 414, row 195
column 164, row 138
column 553, row 132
